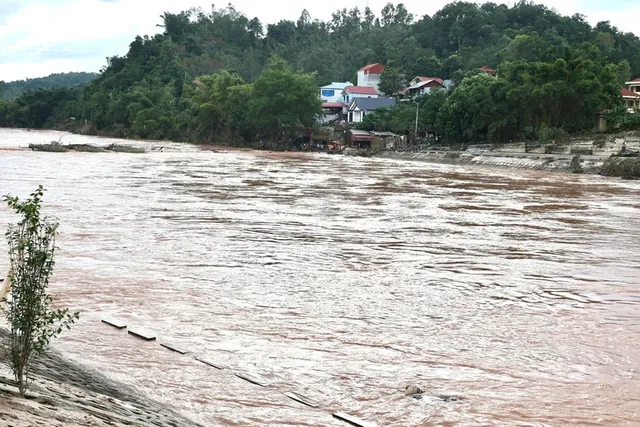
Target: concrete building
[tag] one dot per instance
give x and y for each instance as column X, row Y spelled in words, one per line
column 351, row 92
column 634, row 85
column 631, row 99
column 631, row 96
column 332, row 93
column 369, row 75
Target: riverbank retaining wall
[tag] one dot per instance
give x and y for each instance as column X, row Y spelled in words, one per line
column 591, row 154
column 549, row 162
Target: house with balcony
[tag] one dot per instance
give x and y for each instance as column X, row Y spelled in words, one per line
column 631, row 96
column 631, row 99
column 369, row 76
column 423, row 85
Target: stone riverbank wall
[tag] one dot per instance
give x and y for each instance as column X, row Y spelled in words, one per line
column 560, row 157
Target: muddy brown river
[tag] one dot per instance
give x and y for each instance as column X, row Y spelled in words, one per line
column 345, row 279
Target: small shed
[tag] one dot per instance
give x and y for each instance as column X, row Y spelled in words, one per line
column 363, row 140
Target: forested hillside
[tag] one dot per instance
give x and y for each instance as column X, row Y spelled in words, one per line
column 14, row 89
column 205, row 77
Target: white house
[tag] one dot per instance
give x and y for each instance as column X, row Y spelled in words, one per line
column 332, row 93
column 332, row 103
column 631, row 96
column 631, row 99
column 369, row 75
column 351, row 92
column 634, row 85
column 360, row 107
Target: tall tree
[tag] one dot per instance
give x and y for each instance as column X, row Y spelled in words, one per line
column 392, row 81
column 283, row 101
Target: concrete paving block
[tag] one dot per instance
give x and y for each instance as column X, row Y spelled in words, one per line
column 141, row 333
column 209, row 363
column 115, row 323
column 252, row 379
column 173, row 347
column 352, row 420
column 301, row 399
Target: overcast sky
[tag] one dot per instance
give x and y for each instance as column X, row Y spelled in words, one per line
column 40, row 37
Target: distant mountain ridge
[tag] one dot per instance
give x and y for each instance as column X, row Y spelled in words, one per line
column 14, row 89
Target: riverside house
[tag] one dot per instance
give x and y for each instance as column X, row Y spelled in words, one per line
column 369, row 75
column 631, row 96
column 360, row 107
column 422, row 85
column 332, row 104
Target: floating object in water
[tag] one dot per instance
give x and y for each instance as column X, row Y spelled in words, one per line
column 352, row 420
column 209, row 363
column 115, row 323
column 412, row 390
column 252, row 379
column 448, row 398
column 301, row 399
column 173, row 348
column 145, row 335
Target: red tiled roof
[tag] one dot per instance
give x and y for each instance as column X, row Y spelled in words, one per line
column 361, row 90
column 489, row 70
column 372, row 68
column 437, row 79
column 636, row 80
column 629, row 93
column 332, row 105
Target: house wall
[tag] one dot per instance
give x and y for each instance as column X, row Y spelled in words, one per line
column 347, row 98
column 371, row 80
column 358, row 116
column 330, row 93
column 633, row 103
column 425, row 89
column 374, row 81
column 355, row 116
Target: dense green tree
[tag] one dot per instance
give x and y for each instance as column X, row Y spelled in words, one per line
column 12, row 90
column 283, row 102
column 392, row 81
column 429, row 66
column 467, row 113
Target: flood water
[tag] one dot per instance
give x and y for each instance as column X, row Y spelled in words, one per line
column 345, row 279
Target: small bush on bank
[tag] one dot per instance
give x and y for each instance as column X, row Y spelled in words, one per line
column 33, row 321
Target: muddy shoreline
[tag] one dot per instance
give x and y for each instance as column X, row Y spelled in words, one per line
column 65, row 393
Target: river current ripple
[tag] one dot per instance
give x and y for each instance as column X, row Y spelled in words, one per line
column 345, row 279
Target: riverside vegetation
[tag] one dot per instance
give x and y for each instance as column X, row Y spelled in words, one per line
column 33, row 322
column 219, row 76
